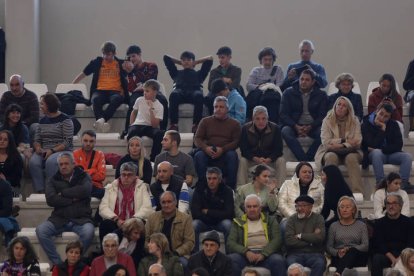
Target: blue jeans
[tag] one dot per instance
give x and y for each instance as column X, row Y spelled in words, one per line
column 47, row 230
column 315, row 261
column 378, row 159
column 275, row 263
column 101, row 97
column 291, row 139
column 200, row 227
column 228, row 163
column 36, row 165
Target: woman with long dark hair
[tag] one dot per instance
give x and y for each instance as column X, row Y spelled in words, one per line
column 335, row 188
column 13, row 122
column 11, row 164
column 22, row 259
column 390, row 184
column 387, row 93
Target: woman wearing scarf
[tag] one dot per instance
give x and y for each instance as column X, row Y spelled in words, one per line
column 127, row 197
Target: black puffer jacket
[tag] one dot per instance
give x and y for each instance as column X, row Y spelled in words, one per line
column 71, row 200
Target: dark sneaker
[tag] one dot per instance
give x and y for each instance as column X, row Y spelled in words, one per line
column 123, row 134
column 408, row 188
column 173, row 127
column 15, row 210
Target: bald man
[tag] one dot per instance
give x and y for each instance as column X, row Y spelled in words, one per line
column 26, row 99
column 168, row 181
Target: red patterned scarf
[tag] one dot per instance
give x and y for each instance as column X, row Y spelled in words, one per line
column 124, row 206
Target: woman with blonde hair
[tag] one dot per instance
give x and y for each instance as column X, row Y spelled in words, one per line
column 160, row 253
column 347, row 241
column 405, row 263
column 136, row 154
column 341, row 141
column 133, row 241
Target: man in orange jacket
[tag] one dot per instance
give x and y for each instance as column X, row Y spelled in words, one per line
column 92, row 161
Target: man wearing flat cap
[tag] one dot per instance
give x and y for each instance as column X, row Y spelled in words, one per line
column 210, row 258
column 305, row 234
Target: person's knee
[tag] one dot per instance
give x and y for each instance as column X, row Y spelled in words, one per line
column 331, row 158
column 287, row 131
column 200, row 156
column 376, row 153
column 231, row 155
column 407, row 158
column 277, row 260
column 197, row 225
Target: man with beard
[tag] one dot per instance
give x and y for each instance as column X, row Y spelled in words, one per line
column 305, row 234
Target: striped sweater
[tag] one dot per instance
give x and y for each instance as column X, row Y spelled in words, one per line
column 55, row 131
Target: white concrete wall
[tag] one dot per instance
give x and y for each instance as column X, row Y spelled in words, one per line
column 2, row 13
column 22, row 38
column 366, row 38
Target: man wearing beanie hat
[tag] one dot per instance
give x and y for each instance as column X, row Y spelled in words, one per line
column 305, row 234
column 237, row 105
column 210, row 258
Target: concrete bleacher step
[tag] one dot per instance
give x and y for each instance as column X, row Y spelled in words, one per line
column 110, row 142
column 362, row 271
column 368, row 177
column 60, row 243
column 35, row 210
column 86, row 117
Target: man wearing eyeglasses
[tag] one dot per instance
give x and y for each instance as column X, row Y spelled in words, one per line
column 392, row 234
column 305, row 234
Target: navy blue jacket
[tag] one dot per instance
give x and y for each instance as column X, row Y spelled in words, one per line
column 389, row 141
column 292, row 106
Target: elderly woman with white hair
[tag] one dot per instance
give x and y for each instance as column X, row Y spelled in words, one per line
column 348, row 238
column 341, row 141
column 111, row 256
column 296, row 269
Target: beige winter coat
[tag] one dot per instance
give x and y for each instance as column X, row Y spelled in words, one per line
column 330, row 135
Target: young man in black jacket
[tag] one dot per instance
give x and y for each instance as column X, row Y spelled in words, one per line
column 109, row 85
column 212, row 206
column 187, row 85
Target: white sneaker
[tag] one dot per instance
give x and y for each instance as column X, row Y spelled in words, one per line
column 98, row 125
column 106, row 127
